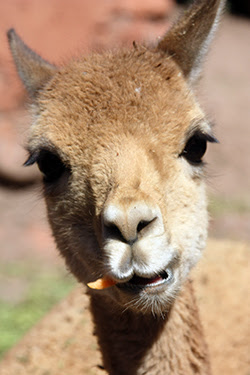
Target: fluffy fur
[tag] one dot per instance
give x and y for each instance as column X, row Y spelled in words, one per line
column 124, row 199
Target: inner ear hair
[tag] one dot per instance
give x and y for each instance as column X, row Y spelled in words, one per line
column 189, row 38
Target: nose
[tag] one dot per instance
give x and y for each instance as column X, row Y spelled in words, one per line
column 129, row 223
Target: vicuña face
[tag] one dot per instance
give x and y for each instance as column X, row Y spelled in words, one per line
column 120, row 140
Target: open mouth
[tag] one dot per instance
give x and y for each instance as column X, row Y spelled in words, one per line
column 138, row 282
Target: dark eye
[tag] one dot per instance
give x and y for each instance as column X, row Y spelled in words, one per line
column 195, row 149
column 50, row 165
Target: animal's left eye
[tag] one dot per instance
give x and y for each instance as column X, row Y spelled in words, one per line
column 195, row 149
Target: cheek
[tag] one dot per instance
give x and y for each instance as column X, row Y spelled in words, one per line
column 75, row 238
column 187, row 221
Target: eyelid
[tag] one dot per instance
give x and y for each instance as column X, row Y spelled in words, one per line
column 202, row 135
column 203, row 128
column 35, row 154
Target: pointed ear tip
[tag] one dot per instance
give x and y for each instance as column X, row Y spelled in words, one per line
column 12, row 35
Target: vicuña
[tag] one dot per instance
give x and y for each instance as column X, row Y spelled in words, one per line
column 120, row 138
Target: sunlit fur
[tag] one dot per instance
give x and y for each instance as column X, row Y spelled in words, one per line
column 123, row 154
column 129, row 201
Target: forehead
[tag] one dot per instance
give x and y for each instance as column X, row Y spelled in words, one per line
column 137, row 92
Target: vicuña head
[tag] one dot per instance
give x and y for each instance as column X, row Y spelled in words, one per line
column 120, row 140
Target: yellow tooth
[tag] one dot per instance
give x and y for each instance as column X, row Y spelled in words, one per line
column 104, row 282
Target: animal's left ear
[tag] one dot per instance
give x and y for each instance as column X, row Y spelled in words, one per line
column 188, row 40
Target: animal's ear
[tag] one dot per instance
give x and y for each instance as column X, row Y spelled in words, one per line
column 189, row 38
column 32, row 69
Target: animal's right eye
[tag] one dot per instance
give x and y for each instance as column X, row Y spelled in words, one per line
column 49, row 163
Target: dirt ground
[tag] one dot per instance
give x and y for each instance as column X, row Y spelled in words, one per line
column 58, row 29
column 64, row 343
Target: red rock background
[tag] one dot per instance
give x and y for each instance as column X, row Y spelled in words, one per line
column 60, row 29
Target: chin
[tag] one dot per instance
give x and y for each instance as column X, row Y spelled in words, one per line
column 138, row 295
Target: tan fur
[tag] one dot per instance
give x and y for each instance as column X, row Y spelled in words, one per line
column 129, row 204
column 173, row 345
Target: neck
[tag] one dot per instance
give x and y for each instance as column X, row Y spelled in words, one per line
column 137, row 344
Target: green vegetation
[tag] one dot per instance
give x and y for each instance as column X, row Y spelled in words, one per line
column 33, row 290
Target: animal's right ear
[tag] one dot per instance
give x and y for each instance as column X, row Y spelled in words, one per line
column 34, row 71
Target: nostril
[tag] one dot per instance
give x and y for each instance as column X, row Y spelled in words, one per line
column 112, row 231
column 143, row 224
column 128, row 224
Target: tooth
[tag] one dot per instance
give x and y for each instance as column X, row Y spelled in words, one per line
column 102, row 283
